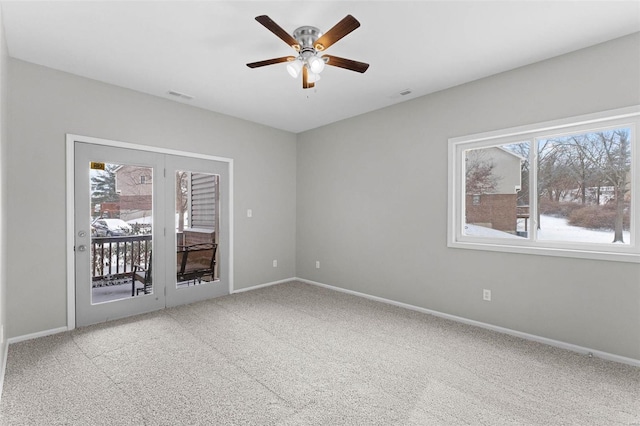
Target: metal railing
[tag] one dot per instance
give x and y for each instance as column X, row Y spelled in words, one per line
column 114, row 257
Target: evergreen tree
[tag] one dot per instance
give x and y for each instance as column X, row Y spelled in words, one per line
column 103, row 185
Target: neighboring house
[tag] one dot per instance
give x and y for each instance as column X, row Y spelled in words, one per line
column 198, row 197
column 496, row 207
column 601, row 195
column 134, row 185
column 200, row 201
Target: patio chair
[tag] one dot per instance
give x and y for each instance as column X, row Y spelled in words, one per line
column 143, row 275
column 196, row 261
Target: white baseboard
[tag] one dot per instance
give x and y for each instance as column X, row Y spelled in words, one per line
column 65, row 328
column 36, row 335
column 255, row 287
column 551, row 342
column 3, row 366
column 556, row 343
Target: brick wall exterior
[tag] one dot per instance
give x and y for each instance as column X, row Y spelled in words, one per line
column 497, row 211
column 136, row 202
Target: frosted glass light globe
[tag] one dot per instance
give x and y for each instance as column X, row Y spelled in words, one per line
column 316, row 65
column 294, row 68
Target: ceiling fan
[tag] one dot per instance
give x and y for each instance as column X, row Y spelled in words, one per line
column 308, row 41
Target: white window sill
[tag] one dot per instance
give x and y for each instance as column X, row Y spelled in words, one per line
column 591, row 253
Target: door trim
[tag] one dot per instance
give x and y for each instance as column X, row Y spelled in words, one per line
column 71, row 139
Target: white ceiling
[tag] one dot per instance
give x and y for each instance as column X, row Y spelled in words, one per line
column 201, row 48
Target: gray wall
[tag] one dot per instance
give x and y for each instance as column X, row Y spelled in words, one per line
column 371, row 196
column 372, row 204
column 47, row 104
column 4, row 59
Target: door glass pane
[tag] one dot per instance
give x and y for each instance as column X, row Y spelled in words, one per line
column 497, row 191
column 121, row 225
column 197, row 224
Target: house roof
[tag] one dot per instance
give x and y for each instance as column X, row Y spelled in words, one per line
column 519, row 157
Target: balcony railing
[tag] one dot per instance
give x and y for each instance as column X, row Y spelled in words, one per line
column 113, row 257
column 522, row 212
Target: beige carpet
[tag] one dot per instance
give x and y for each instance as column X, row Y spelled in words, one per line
column 295, row 354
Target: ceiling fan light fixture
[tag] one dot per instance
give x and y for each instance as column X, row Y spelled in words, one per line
column 316, row 64
column 294, row 68
column 313, row 78
column 308, row 42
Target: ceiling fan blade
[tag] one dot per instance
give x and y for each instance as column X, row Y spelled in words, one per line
column 339, row 30
column 348, row 64
column 305, row 79
column 271, row 61
column 278, row 31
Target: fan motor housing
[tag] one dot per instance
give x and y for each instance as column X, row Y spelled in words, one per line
column 307, row 37
column 309, row 42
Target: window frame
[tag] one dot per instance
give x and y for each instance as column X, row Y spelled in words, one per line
column 624, row 117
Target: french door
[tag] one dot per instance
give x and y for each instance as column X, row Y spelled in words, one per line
column 194, row 270
column 150, row 231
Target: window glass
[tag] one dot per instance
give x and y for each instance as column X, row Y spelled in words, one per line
column 496, row 201
column 560, row 188
column 584, row 187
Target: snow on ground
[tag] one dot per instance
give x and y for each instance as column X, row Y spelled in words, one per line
column 553, row 229
column 557, row 229
column 148, row 220
column 481, row 231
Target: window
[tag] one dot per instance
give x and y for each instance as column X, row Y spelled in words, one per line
column 560, row 188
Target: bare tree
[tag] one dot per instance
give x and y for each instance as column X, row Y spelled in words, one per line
column 136, row 191
column 589, row 160
column 479, row 173
column 584, row 156
column 522, row 150
column 554, row 174
column 616, row 171
column 182, row 198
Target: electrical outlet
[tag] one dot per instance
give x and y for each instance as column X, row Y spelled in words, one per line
column 317, row 264
column 486, row 295
column 275, row 263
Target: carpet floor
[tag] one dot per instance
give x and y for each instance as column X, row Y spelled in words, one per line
column 295, row 354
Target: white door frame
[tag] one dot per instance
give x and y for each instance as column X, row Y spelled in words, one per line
column 71, row 140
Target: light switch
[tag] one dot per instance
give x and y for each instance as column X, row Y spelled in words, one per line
column 249, row 213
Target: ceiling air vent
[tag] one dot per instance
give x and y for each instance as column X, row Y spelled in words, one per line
column 180, row 95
